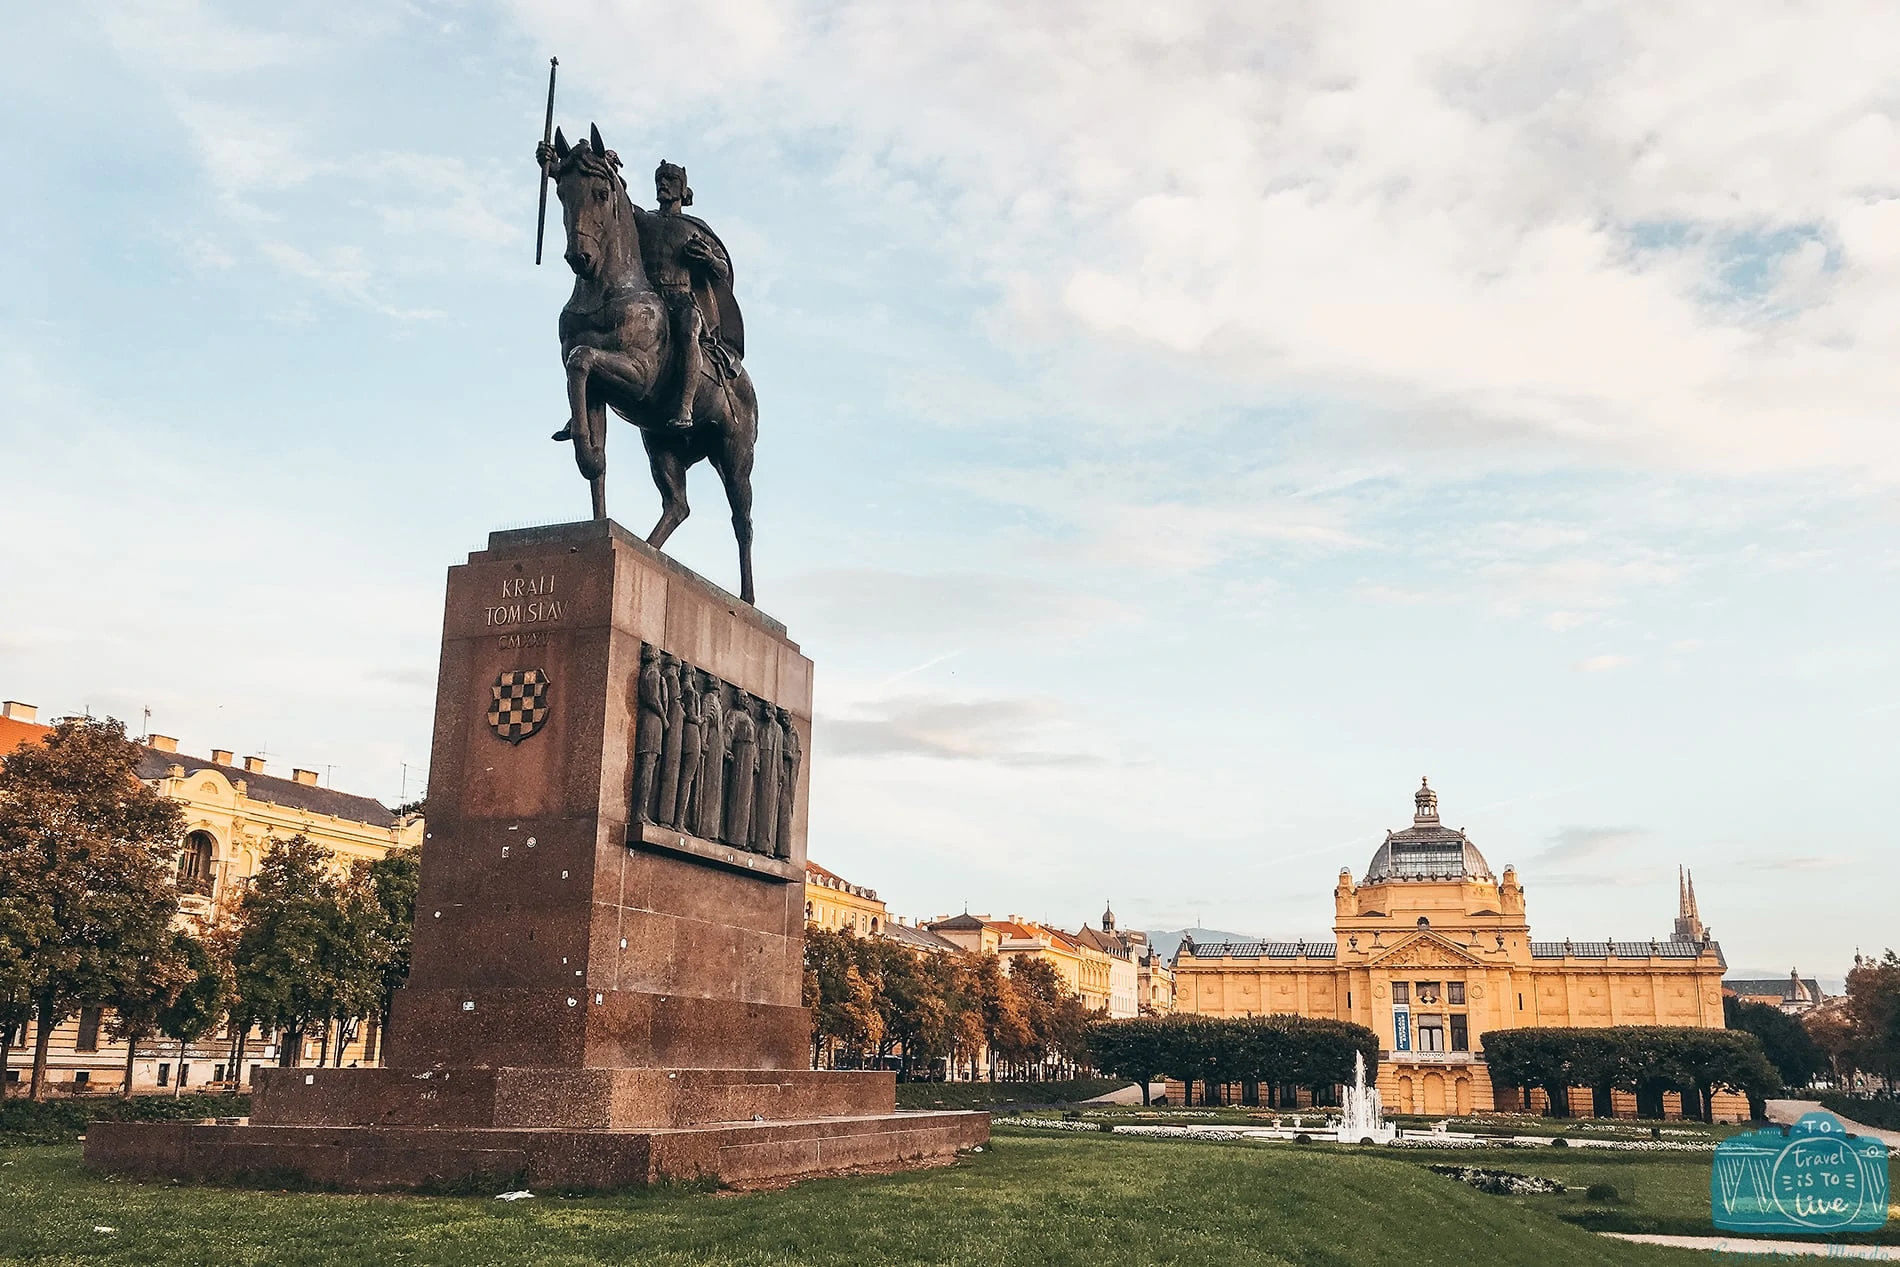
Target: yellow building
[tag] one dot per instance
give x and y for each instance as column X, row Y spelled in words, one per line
column 1082, row 969
column 834, row 903
column 1432, row 952
column 232, row 810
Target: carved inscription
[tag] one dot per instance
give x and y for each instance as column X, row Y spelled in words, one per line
column 524, row 600
column 711, row 760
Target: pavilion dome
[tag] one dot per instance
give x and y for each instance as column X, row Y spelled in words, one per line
column 1427, row 850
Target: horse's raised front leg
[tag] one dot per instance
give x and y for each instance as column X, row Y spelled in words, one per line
column 735, row 471
column 669, row 476
column 587, row 419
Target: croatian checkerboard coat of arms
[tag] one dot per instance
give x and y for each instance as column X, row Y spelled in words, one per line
column 520, row 705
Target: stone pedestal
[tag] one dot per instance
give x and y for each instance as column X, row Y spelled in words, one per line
column 597, row 998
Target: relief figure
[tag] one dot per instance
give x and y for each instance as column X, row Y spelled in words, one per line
column 683, row 807
column 742, row 770
column 712, row 757
column 788, row 788
column 771, row 770
column 668, row 793
column 648, row 733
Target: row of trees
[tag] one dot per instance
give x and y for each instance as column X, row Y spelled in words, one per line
column 1291, row 1051
column 89, row 906
column 875, row 1001
column 1646, row 1060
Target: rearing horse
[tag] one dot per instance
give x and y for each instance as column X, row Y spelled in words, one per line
column 616, row 341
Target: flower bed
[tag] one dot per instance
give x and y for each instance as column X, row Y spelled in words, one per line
column 1500, row 1183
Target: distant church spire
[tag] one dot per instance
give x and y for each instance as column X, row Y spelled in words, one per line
column 1688, row 919
column 1108, row 917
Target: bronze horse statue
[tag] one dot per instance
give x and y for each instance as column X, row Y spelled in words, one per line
column 618, row 342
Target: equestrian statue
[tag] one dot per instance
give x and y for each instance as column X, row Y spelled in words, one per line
column 653, row 333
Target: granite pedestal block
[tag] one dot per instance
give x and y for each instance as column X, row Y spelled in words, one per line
column 596, row 999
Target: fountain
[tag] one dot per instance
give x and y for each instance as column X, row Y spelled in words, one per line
column 1363, row 1121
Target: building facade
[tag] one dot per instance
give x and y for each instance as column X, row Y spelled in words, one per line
column 1793, row 994
column 232, row 810
column 1432, row 951
column 835, row 904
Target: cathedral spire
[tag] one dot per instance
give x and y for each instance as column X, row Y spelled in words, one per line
column 1688, row 919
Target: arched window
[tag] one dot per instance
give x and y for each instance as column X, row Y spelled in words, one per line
column 195, row 863
column 874, row 923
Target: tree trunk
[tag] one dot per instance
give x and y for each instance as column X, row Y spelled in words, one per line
column 1145, row 1079
column 290, row 1055
column 342, row 1041
column 237, row 1060
column 42, row 1039
column 178, row 1083
column 131, row 1050
column 6, row 1057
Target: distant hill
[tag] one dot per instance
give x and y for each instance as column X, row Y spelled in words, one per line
column 1166, row 943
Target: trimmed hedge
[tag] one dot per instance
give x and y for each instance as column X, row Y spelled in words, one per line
column 64, row 1120
column 1647, row 1060
column 1881, row 1113
column 1001, row 1095
column 1289, row 1050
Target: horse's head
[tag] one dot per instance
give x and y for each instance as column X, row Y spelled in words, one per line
column 594, row 204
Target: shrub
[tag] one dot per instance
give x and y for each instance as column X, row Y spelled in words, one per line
column 1601, row 1192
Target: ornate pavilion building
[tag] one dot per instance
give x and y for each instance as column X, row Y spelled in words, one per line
column 1433, row 951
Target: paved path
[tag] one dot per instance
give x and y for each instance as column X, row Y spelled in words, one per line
column 1788, row 1112
column 1130, row 1094
column 1744, row 1246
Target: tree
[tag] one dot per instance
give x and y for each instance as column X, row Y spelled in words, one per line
column 842, row 999
column 386, row 890
column 1796, row 1057
column 1873, row 1005
column 87, row 860
column 198, row 1005
column 1137, row 1049
column 292, row 965
column 140, row 1001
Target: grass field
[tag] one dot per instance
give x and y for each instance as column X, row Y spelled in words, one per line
column 1081, row 1200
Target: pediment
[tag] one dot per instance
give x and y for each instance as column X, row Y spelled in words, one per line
column 1424, row 950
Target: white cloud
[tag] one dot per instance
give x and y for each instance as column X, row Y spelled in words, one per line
column 1567, row 222
column 1602, row 663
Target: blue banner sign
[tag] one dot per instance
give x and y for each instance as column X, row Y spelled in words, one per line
column 1401, row 1029
column 1809, row 1177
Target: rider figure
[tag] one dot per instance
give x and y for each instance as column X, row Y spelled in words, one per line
column 687, row 265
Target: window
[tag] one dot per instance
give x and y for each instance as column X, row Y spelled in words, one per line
column 1454, row 992
column 1349, row 1000
column 1428, row 992
column 1431, row 1033
column 184, row 1074
column 88, row 1029
column 1520, row 1001
column 1460, row 1032
column 1401, row 992
column 82, row 1078
column 194, row 863
column 164, row 1073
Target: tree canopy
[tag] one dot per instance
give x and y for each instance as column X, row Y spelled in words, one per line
column 1646, row 1060
column 87, row 863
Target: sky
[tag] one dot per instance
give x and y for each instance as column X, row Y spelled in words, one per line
column 1182, row 426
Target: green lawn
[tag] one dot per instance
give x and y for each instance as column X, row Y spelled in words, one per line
column 1083, row 1200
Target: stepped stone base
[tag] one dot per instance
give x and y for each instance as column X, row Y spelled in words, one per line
column 563, row 1099
column 375, row 1158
